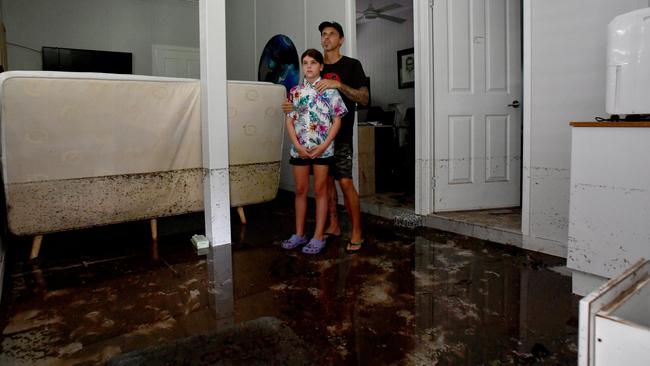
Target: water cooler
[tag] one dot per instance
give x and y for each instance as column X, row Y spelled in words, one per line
column 628, row 64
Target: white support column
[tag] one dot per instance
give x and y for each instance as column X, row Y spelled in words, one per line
column 424, row 173
column 214, row 116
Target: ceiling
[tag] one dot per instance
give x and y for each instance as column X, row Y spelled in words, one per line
column 362, row 4
column 406, row 11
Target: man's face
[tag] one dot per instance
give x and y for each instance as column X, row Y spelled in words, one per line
column 330, row 39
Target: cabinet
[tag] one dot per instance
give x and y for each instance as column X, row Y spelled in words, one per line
column 609, row 217
column 614, row 321
column 377, row 159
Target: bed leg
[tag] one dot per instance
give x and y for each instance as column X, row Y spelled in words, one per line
column 154, row 229
column 154, row 239
column 36, row 247
column 242, row 216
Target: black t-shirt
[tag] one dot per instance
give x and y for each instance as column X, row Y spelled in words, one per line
column 349, row 72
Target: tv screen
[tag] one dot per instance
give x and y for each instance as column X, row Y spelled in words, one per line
column 70, row 59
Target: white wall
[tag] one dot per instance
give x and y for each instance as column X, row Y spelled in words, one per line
column 240, row 40
column 116, row 25
column 251, row 23
column 378, row 41
column 567, row 83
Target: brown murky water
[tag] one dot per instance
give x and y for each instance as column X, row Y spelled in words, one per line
column 411, row 297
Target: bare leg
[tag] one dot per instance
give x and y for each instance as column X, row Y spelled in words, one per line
column 301, row 178
column 320, row 189
column 332, row 207
column 351, row 198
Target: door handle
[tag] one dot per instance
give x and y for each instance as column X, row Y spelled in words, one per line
column 514, row 104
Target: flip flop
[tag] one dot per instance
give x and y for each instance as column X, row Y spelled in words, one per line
column 353, row 247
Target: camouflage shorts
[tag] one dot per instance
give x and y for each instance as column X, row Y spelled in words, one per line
column 342, row 164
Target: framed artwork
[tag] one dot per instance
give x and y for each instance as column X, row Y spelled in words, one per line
column 405, row 68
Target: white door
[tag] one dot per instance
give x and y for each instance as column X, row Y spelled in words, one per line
column 477, row 79
column 177, row 62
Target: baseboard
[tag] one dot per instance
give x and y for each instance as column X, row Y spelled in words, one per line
column 546, row 246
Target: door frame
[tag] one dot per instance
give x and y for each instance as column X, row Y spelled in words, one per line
column 350, row 49
column 526, row 118
column 424, row 107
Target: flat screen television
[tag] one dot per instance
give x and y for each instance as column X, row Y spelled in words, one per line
column 70, row 59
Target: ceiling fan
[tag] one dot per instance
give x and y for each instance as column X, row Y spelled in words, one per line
column 372, row 13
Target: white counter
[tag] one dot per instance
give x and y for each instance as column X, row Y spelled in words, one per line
column 609, row 219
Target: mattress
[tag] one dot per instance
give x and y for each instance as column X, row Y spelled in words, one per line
column 84, row 149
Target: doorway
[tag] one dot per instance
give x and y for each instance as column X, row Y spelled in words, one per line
column 468, row 134
column 386, row 127
column 477, row 119
column 175, row 61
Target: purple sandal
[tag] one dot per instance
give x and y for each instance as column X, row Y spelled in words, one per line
column 294, row 241
column 314, row 246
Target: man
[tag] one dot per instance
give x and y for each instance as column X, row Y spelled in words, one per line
column 347, row 76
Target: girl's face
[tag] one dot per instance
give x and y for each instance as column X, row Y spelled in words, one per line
column 311, row 68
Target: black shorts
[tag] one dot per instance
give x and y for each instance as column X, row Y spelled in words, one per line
column 342, row 163
column 317, row 161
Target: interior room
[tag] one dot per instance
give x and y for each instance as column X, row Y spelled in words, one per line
column 99, row 25
column 148, row 193
column 387, row 126
column 387, row 28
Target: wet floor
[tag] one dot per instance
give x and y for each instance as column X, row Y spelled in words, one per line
column 411, row 297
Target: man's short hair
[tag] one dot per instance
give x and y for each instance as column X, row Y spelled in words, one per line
column 334, row 25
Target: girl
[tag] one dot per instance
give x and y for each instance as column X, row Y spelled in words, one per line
column 312, row 126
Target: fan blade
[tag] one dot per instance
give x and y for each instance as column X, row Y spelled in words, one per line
column 389, row 7
column 391, row 18
column 359, row 18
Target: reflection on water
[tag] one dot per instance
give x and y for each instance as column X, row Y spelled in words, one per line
column 471, row 306
column 411, row 297
column 220, row 286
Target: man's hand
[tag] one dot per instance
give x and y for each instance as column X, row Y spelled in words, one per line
column 287, row 107
column 317, row 151
column 325, row 84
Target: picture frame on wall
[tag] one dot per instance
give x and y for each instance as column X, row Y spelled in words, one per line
column 405, row 68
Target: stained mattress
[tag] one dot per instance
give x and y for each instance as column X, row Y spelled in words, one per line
column 81, row 150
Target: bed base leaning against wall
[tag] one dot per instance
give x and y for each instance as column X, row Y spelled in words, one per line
column 82, row 150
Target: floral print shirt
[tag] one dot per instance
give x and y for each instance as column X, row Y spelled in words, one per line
column 312, row 115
